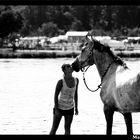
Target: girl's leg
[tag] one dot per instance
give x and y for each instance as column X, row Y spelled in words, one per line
column 68, row 121
column 56, row 120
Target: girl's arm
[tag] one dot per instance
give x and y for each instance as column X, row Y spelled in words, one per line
column 57, row 91
column 76, row 98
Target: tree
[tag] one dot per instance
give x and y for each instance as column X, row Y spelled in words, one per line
column 76, row 26
column 82, row 13
column 10, row 22
column 49, row 29
column 108, row 18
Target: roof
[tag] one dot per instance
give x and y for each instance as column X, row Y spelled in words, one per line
column 57, row 38
column 135, row 38
column 76, row 33
column 33, row 38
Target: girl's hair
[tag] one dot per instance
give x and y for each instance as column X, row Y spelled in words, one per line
column 63, row 66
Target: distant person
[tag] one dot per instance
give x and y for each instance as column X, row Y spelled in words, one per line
column 14, row 47
column 65, row 100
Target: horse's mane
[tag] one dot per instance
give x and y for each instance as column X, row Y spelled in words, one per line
column 101, row 47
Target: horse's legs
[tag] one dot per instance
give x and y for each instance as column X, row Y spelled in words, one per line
column 109, row 119
column 128, row 121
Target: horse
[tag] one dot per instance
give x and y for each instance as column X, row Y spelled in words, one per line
column 120, row 86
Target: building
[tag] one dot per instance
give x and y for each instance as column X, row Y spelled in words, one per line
column 76, row 36
column 32, row 42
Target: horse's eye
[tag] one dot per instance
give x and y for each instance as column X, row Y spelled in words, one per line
column 86, row 44
column 83, row 48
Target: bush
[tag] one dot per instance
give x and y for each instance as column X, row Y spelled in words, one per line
column 134, row 32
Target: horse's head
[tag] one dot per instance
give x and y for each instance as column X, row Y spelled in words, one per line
column 86, row 56
column 94, row 52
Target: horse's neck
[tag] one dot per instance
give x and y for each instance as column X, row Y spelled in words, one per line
column 103, row 61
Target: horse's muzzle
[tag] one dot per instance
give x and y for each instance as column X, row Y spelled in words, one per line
column 75, row 65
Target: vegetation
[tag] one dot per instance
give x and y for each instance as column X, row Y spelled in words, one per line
column 52, row 20
column 10, row 21
column 113, row 20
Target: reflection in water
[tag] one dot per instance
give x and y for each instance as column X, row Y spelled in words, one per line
column 26, row 98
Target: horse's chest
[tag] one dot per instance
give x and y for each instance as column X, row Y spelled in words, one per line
column 107, row 93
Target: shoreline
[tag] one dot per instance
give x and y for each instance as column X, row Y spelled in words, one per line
column 58, row 53
column 38, row 54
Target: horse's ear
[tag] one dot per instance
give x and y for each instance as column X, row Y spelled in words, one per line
column 92, row 38
column 87, row 39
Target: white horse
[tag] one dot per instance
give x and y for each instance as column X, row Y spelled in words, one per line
column 120, row 86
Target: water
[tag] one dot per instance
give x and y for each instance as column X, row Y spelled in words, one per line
column 26, row 99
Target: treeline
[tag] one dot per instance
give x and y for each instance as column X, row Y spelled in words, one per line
column 52, row 20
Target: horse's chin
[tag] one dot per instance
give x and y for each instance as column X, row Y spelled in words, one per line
column 78, row 66
column 77, row 70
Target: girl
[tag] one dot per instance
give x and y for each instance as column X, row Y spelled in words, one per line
column 65, row 100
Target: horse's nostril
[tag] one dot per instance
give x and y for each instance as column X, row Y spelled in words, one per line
column 72, row 65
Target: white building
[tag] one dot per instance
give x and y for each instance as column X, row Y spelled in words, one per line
column 76, row 36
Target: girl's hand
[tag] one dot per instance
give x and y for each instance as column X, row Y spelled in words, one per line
column 76, row 111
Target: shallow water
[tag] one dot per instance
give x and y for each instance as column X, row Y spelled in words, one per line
column 27, row 93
